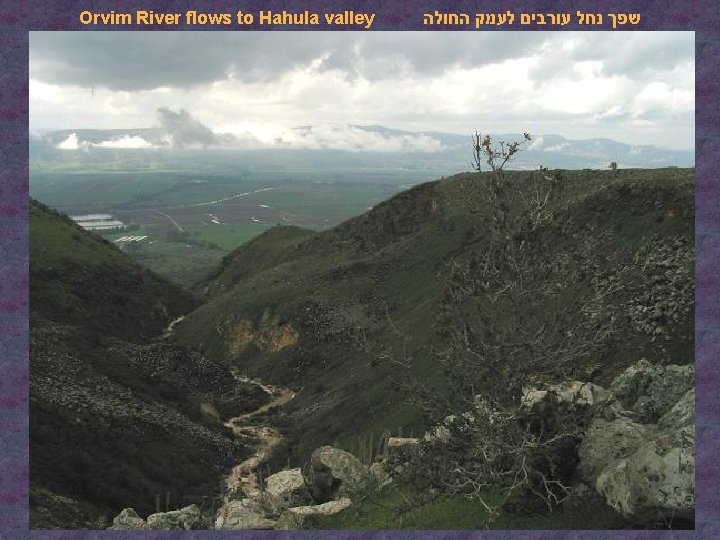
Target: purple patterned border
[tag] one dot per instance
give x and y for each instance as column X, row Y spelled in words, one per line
column 17, row 17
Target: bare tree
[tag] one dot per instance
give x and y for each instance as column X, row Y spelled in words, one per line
column 505, row 322
column 496, row 155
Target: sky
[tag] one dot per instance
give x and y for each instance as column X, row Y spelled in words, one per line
column 254, row 88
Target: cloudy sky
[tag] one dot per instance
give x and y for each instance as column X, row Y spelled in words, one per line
column 635, row 87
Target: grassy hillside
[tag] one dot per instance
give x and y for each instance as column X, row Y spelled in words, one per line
column 116, row 416
column 349, row 315
column 78, row 278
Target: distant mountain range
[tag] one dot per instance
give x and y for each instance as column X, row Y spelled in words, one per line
column 374, row 145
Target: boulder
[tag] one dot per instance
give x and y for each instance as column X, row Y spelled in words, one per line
column 681, row 415
column 128, row 520
column 607, row 441
column 242, row 514
column 653, row 476
column 283, row 490
column 651, row 390
column 294, row 518
column 333, row 473
column 657, row 481
column 188, row 518
column 401, row 441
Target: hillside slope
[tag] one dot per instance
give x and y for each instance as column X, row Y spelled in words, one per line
column 348, row 316
column 81, row 279
column 116, row 417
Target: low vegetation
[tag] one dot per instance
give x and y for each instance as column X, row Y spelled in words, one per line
column 453, row 296
column 114, row 418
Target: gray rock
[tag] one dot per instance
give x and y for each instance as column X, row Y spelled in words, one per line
column 379, row 477
column 681, row 415
column 645, row 471
column 241, row 515
column 397, row 446
column 294, row 518
column 283, row 490
column 333, row 473
column 188, row 518
column 656, row 481
column 128, row 520
column 607, row 441
column 651, row 390
column 574, row 393
column 401, row 441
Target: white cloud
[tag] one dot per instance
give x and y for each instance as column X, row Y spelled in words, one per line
column 350, row 138
column 71, row 143
column 570, row 83
column 126, row 142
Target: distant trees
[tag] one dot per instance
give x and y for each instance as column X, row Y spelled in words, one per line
column 613, row 166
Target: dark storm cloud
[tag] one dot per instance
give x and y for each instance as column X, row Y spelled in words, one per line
column 145, row 60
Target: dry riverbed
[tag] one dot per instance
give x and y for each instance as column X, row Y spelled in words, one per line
column 243, row 476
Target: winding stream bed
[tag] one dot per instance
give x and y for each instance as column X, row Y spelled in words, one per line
column 243, row 476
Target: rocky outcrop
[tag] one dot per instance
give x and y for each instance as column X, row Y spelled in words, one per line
column 294, row 518
column 333, row 473
column 283, row 502
column 575, row 393
column 651, row 390
column 188, row 518
column 643, row 464
column 657, row 480
column 128, row 520
column 242, row 514
column 283, row 490
column 606, row 441
column 269, row 334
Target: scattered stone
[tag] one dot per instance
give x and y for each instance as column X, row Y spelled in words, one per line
column 333, row 473
column 575, row 393
column 128, row 520
column 283, row 490
column 294, row 518
column 400, row 445
column 401, row 441
column 242, row 514
column 188, row 518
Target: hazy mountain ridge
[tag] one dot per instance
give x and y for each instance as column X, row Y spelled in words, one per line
column 387, row 147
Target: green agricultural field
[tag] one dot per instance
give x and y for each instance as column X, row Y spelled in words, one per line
column 195, row 217
column 226, row 236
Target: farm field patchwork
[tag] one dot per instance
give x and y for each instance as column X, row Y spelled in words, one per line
column 188, row 221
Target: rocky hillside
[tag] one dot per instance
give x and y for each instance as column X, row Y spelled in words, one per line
column 116, row 416
column 358, row 319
